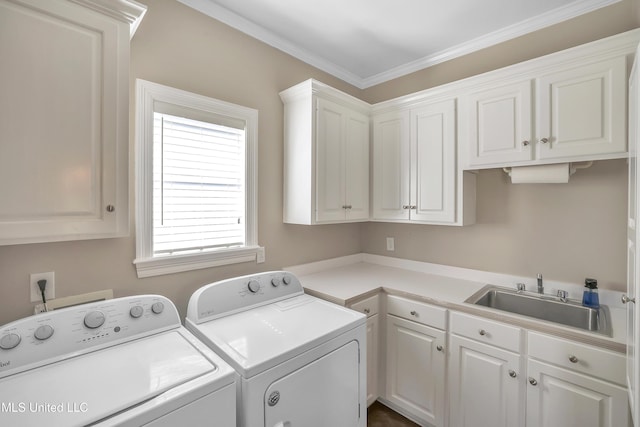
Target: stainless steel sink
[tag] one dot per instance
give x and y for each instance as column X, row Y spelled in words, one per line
column 570, row 313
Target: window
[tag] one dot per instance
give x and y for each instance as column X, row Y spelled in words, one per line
column 196, row 161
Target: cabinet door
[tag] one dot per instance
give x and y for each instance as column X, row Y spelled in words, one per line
column 560, row 398
column 633, row 270
column 486, row 385
column 433, row 163
column 330, row 161
column 499, row 125
column 415, row 369
column 63, row 123
column 357, row 166
column 391, row 166
column 372, row 358
column 582, row 111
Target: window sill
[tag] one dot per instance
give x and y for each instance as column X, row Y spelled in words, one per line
column 149, row 267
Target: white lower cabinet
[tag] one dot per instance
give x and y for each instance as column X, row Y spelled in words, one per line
column 370, row 307
column 574, row 385
column 485, row 385
column 416, row 360
column 446, row 368
column 485, row 373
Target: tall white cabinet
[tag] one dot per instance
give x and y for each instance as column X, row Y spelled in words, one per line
column 633, row 256
column 64, row 119
column 326, row 155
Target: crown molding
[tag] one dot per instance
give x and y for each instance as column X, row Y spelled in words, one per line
column 128, row 11
column 572, row 10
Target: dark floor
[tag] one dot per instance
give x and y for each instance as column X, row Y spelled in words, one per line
column 379, row 415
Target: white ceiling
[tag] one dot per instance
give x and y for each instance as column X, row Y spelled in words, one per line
column 367, row 42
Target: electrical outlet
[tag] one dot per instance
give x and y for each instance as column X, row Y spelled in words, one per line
column 391, row 245
column 49, row 291
column 260, row 256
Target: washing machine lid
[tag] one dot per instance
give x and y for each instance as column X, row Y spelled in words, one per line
column 92, row 387
column 258, row 339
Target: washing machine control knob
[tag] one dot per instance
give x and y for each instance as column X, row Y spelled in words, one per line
column 253, row 286
column 94, row 319
column 157, row 307
column 286, row 280
column 9, row 341
column 43, row 332
column 275, row 282
column 136, row 311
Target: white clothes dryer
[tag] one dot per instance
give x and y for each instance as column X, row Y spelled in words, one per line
column 120, row 362
column 301, row 360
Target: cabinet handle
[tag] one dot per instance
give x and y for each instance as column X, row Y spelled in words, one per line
column 414, row 313
column 412, row 207
column 573, row 359
column 482, row 332
column 439, row 348
column 625, row 299
column 367, row 311
column 406, row 207
column 525, row 143
column 544, row 140
column 512, row 373
column 533, row 381
column 111, row 208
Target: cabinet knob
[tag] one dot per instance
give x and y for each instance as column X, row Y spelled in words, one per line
column 625, row 299
column 405, row 206
column 544, row 140
column 482, row 332
column 367, row 310
column 439, row 348
column 573, row 359
column 111, row 208
column 525, row 143
column 414, row 313
column 512, row 373
column 533, row 381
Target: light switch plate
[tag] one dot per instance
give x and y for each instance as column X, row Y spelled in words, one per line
column 391, row 244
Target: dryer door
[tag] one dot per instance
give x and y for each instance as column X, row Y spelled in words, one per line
column 323, row 393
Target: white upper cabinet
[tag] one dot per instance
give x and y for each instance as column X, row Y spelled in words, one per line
column 565, row 107
column 64, row 119
column 582, row 111
column 499, row 123
column 391, row 162
column 415, row 166
column 326, row 171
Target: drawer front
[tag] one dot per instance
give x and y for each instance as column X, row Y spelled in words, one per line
column 419, row 312
column 486, row 331
column 368, row 306
column 593, row 361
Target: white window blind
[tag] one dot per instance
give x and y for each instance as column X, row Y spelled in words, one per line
column 198, row 184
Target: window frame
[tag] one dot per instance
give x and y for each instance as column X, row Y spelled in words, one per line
column 147, row 93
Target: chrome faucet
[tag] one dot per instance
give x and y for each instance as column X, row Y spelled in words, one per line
column 540, row 287
column 520, row 287
column 563, row 295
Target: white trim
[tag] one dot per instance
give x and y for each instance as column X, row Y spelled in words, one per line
column 168, row 265
column 128, row 11
column 146, row 265
column 258, row 32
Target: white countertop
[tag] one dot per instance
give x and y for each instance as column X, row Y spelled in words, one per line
column 349, row 279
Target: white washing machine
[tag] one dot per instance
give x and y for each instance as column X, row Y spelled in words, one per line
column 120, row 362
column 301, row 360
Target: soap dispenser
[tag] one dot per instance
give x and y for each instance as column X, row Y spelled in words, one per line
column 590, row 295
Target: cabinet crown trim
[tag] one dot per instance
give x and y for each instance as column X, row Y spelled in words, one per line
column 128, row 11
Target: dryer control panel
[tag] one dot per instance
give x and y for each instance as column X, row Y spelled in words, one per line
column 230, row 296
column 69, row 332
